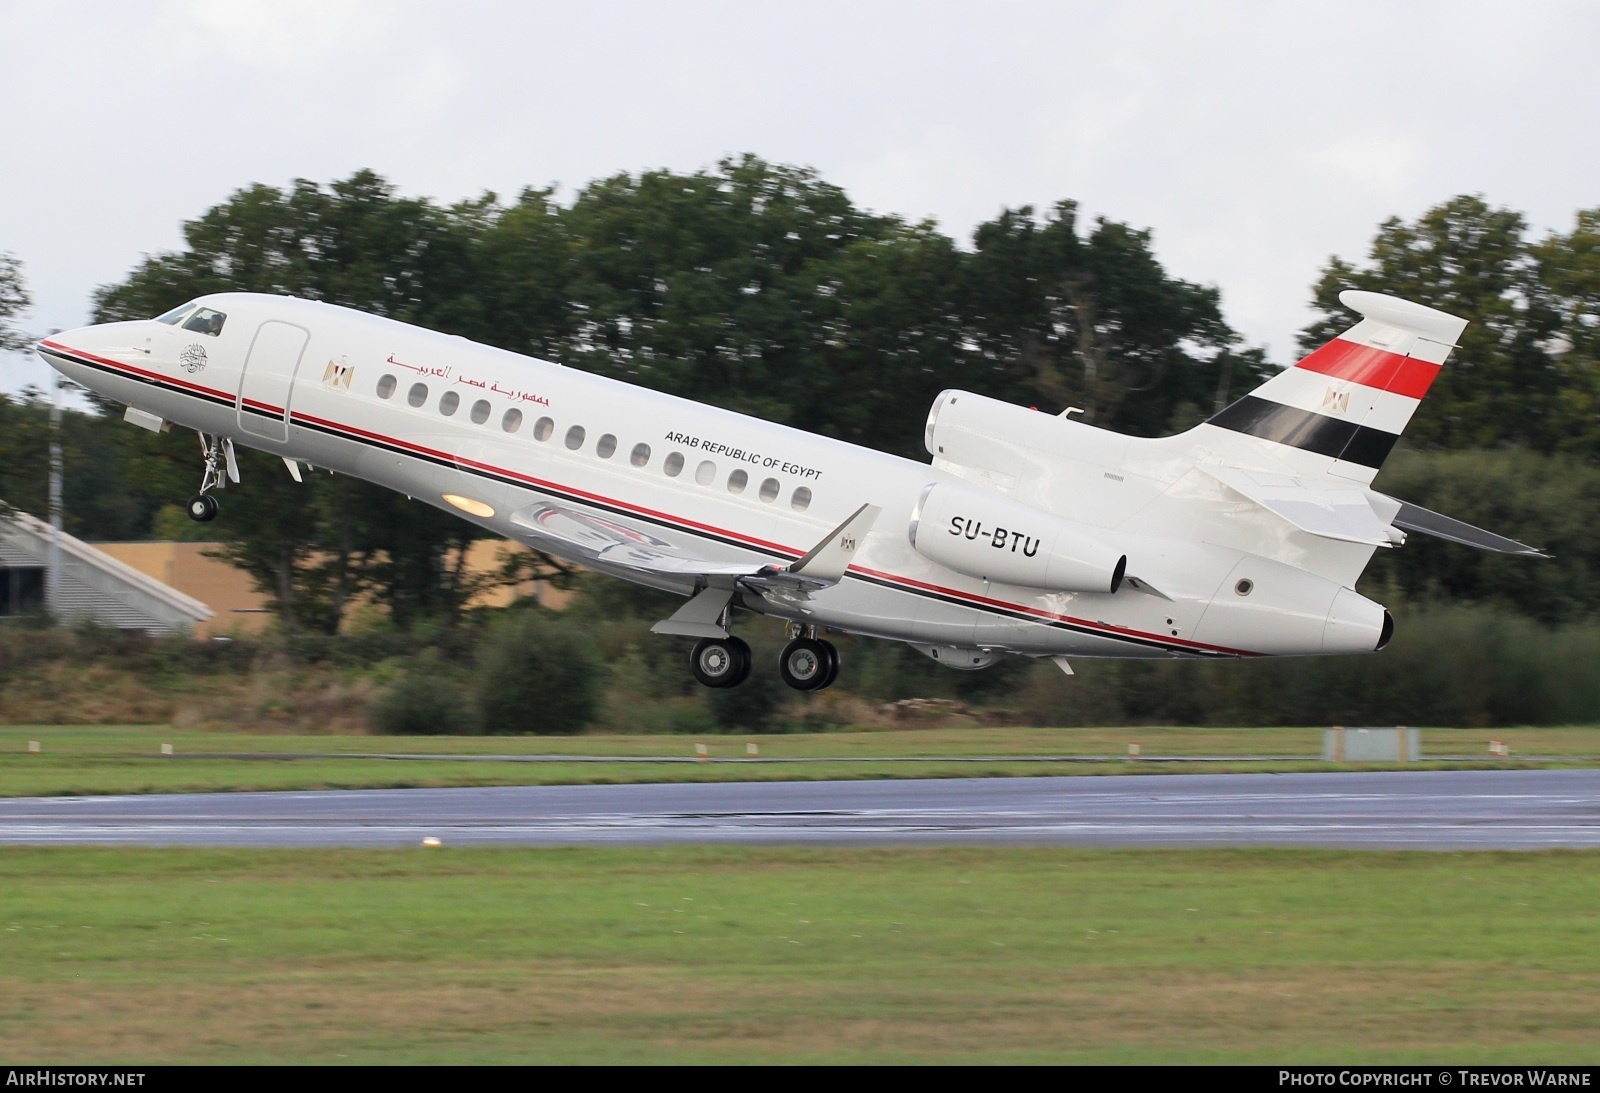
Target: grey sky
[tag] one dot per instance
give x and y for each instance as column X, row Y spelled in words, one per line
column 1255, row 139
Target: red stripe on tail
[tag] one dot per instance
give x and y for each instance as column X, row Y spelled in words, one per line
column 1372, row 367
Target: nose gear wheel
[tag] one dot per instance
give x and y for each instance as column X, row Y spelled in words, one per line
column 220, row 468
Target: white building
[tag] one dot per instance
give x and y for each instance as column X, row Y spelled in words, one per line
column 93, row 584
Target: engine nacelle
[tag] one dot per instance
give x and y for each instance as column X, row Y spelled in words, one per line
column 989, row 536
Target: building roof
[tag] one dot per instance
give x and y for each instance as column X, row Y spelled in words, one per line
column 95, row 585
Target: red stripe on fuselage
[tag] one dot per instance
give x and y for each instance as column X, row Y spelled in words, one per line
column 540, row 483
column 1372, row 367
column 148, row 375
column 1106, row 629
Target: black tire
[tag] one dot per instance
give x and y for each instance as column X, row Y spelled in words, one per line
column 720, row 662
column 805, row 664
column 203, row 508
column 833, row 666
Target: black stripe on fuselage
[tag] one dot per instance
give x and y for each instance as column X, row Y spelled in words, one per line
column 1021, row 615
column 128, row 374
column 1307, row 430
column 539, row 486
column 551, row 490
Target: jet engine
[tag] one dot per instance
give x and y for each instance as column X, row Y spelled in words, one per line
column 986, row 535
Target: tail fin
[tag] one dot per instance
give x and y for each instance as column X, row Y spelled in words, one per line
column 1341, row 410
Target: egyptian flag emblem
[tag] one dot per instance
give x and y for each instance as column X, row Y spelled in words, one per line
column 338, row 376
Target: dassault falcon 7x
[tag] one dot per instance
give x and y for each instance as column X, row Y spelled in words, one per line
column 1029, row 534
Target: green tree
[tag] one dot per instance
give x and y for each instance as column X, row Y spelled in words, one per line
column 425, row 698
column 14, row 300
column 1547, row 501
column 1059, row 320
column 111, row 490
column 883, row 316
column 525, row 263
column 536, row 674
column 704, row 285
column 1569, row 269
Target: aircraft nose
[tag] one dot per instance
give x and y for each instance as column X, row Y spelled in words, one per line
column 84, row 353
column 83, row 338
column 113, row 338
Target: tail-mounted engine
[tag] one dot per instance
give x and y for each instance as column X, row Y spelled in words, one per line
column 987, row 535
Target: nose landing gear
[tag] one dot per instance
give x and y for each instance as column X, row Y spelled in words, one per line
column 220, row 469
column 203, row 508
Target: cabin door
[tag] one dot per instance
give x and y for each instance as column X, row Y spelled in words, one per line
column 267, row 382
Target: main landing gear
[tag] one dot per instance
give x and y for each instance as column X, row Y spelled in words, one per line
column 220, row 467
column 720, row 662
column 807, row 663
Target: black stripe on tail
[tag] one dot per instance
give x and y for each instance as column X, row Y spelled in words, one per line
column 1308, row 431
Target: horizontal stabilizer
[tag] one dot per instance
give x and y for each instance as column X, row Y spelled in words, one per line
column 1426, row 522
column 1326, row 508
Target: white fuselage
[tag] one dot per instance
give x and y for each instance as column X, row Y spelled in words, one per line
column 366, row 396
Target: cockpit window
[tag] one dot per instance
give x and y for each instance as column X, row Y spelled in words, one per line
column 173, row 317
column 206, row 321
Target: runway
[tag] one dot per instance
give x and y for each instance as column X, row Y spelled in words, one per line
column 1434, row 810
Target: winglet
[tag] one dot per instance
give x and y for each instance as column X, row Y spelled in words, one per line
column 828, row 560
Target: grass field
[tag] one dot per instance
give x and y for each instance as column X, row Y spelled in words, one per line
column 788, row 955
column 85, row 760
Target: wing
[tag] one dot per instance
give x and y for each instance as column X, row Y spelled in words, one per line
column 597, row 539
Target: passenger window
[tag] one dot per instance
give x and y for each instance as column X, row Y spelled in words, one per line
column 801, row 499
column 575, row 437
column 206, row 321
column 640, row 455
column 672, row 466
column 606, row 446
column 448, row 403
column 769, row 491
column 512, row 421
column 386, row 386
column 543, row 428
column 480, row 411
column 418, row 394
column 172, row 317
column 737, row 482
column 705, row 472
